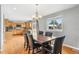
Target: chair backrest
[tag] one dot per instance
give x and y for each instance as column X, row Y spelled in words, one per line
column 58, row 45
column 40, row 32
column 48, row 34
column 31, row 41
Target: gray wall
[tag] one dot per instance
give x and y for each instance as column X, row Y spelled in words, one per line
column 71, row 25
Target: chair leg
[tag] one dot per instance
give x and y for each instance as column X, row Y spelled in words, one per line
column 27, row 47
column 33, row 51
column 60, row 52
column 24, row 44
column 29, row 50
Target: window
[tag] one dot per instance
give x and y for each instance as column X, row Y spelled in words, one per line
column 55, row 23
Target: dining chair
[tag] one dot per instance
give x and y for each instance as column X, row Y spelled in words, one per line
column 33, row 45
column 26, row 41
column 40, row 32
column 57, row 47
column 48, row 34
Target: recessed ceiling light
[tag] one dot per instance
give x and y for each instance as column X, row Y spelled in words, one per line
column 14, row 8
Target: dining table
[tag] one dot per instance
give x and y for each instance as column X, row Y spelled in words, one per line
column 41, row 39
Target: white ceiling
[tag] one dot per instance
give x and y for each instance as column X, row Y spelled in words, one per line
column 24, row 12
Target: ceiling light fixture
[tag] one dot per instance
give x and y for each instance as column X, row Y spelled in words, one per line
column 36, row 16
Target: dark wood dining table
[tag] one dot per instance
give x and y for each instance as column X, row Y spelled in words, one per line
column 43, row 39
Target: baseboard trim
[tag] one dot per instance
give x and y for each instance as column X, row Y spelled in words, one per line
column 74, row 48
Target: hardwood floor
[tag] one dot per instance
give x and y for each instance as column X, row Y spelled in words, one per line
column 14, row 44
column 68, row 50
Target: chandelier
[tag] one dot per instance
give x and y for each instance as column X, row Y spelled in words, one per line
column 36, row 16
